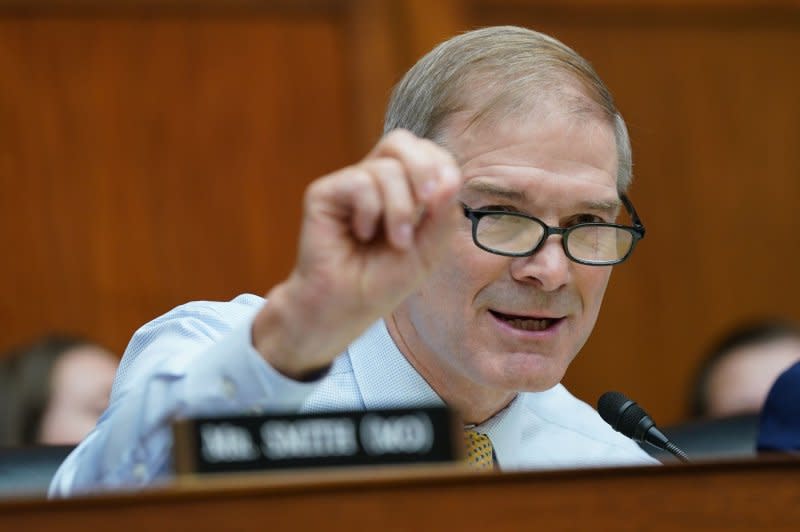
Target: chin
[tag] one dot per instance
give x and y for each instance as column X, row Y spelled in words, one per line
column 537, row 384
column 526, row 377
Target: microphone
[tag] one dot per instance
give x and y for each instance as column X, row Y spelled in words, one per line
column 627, row 417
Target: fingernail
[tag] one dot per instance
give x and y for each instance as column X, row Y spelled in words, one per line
column 403, row 235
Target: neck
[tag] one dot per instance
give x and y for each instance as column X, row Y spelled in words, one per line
column 472, row 401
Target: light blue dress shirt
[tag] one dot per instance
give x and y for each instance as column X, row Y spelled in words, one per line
column 198, row 359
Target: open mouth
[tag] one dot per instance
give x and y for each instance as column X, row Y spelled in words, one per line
column 526, row 323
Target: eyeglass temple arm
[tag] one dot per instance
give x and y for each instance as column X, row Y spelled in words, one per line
column 637, row 222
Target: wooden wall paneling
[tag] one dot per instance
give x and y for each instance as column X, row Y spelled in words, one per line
column 709, row 93
column 156, row 152
column 148, row 149
column 375, row 57
column 429, row 23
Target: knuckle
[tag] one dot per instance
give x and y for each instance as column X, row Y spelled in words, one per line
column 353, row 177
column 400, row 135
column 315, row 189
column 388, row 168
column 399, row 142
column 346, row 180
column 359, row 176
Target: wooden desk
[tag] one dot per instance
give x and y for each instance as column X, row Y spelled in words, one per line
column 761, row 495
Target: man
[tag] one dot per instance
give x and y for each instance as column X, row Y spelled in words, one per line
column 422, row 275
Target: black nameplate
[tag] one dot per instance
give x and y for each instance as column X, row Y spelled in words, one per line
column 263, row 442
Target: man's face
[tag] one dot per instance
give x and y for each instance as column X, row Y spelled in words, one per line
column 508, row 324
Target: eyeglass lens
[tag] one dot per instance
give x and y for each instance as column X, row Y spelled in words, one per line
column 508, row 233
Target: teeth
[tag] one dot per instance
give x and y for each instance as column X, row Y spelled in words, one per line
column 525, row 324
column 529, row 324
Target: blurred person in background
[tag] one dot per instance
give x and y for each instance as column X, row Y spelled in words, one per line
column 53, row 390
column 739, row 370
column 779, row 421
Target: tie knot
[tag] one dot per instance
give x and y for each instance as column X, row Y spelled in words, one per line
column 480, row 453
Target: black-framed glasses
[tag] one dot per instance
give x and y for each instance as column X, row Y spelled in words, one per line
column 514, row 234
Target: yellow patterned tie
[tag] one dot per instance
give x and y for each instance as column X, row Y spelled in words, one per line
column 479, row 450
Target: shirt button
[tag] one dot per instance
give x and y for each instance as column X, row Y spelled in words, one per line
column 228, row 388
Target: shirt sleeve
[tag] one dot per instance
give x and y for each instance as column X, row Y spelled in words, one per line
column 196, row 360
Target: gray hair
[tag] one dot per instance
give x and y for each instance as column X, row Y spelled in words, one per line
column 497, row 70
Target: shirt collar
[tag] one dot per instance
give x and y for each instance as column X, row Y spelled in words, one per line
column 505, row 431
column 387, row 380
column 384, row 376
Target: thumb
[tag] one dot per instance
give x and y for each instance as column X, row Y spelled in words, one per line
column 434, row 234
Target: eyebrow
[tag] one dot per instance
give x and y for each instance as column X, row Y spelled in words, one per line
column 496, row 190
column 518, row 195
column 601, row 205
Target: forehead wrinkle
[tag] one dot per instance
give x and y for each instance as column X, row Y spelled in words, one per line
column 493, row 189
column 483, row 187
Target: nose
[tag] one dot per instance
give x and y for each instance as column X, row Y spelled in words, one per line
column 548, row 268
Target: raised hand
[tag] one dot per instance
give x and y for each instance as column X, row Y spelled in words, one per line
column 371, row 233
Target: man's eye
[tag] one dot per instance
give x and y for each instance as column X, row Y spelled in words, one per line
column 502, row 208
column 586, row 219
